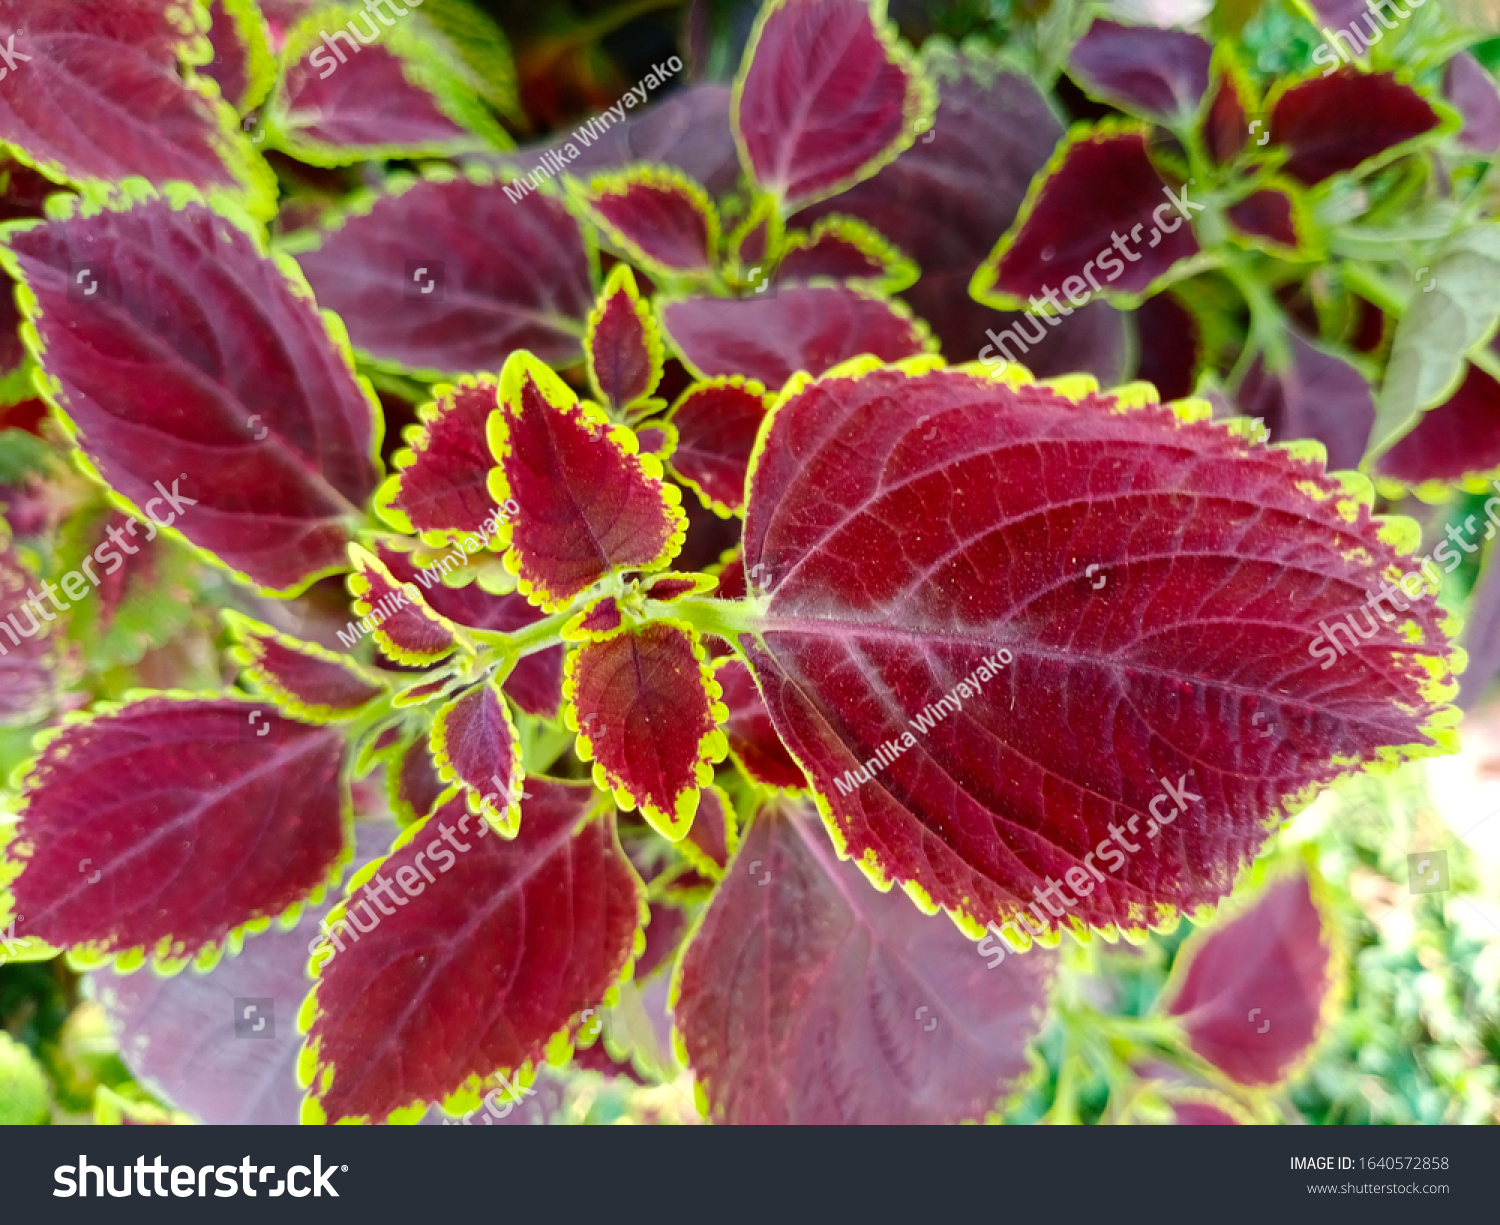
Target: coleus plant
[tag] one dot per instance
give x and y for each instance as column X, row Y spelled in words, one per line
column 706, row 582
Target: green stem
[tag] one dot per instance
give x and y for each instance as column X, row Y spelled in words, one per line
column 726, row 618
column 1373, row 287
column 1267, row 332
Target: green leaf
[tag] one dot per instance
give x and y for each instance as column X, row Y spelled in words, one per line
column 1440, row 326
column 23, row 1085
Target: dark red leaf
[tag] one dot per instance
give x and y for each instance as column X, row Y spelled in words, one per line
column 847, row 250
column 645, row 706
column 191, row 818
column 475, row 744
column 1251, row 990
column 1102, row 204
column 623, row 344
column 1319, row 395
column 588, row 503
column 806, row 996
column 307, row 681
column 503, row 275
column 404, row 626
column 1169, row 339
column 1071, row 628
column 825, row 98
column 714, row 835
column 668, row 587
column 1159, row 74
column 200, row 368
column 242, row 65
column 716, row 424
column 413, row 782
column 93, row 91
column 1271, row 215
column 1336, row 122
column 753, row 742
column 658, row 217
column 1457, row 439
column 601, row 619
column 441, row 484
column 1225, row 124
column 802, row 328
column 481, row 972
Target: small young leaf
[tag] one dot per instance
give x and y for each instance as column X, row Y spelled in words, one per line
column 1275, row 219
column 480, row 973
column 413, row 782
column 448, row 275
column 404, row 626
column 716, row 425
column 824, row 98
column 307, row 681
column 1157, row 74
column 1252, row 990
column 714, row 835
column 474, row 743
column 588, row 502
column 802, row 328
column 250, row 430
column 1100, row 200
column 658, row 217
column 623, row 344
column 172, row 822
column 805, row 996
column 645, row 706
column 847, row 249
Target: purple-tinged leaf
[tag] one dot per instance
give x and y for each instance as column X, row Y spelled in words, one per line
column 536, row 681
column 1092, row 340
column 182, row 1035
column 1470, row 89
column 1274, row 219
column 475, row 744
column 1457, row 439
column 1481, row 636
column 1253, row 990
column 805, row 996
column 1102, row 220
column 413, row 782
column 623, row 344
column 1319, row 395
column 753, row 742
column 441, row 483
column 658, row 217
column 848, row 250
column 344, row 97
column 824, row 98
column 712, row 840
column 645, row 706
column 201, row 368
column 656, row 438
column 589, row 504
column 802, row 328
column 1148, row 535
column 450, row 276
column 716, row 425
column 1170, row 345
column 480, row 973
column 1338, row 122
column 1225, row 130
column 1157, row 74
column 93, row 91
column 242, row 66
column 307, row 681
column 196, row 816
column 27, row 683
column 404, row 626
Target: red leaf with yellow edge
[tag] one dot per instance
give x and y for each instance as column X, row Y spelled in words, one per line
column 600, row 619
column 623, row 344
column 479, row 966
column 712, row 840
column 1252, row 991
column 191, row 817
column 753, row 742
column 1456, row 439
column 646, row 709
column 716, row 425
column 802, row 328
column 307, row 681
column 655, row 215
column 847, row 249
column 474, row 743
column 413, row 782
column 589, row 504
column 826, row 97
column 1055, row 576
column 242, row 65
column 404, row 627
column 441, row 483
column 805, row 996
